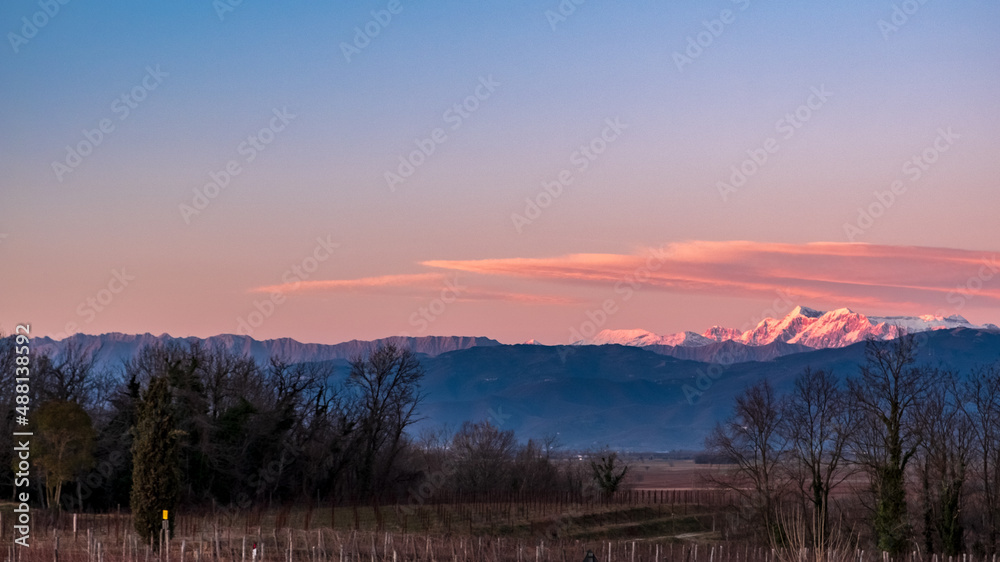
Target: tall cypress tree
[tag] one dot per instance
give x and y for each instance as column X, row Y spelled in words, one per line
column 155, row 460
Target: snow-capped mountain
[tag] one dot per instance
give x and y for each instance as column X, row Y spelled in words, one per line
column 643, row 338
column 803, row 326
column 718, row 333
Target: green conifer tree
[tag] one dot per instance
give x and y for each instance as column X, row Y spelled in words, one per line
column 155, row 472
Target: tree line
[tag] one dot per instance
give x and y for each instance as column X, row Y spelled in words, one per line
column 185, row 424
column 900, row 455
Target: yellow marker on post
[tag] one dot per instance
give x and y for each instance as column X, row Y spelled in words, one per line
column 165, row 534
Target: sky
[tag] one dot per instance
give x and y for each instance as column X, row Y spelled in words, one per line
column 514, row 170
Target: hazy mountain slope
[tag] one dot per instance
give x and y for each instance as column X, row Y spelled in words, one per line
column 110, row 350
column 631, row 397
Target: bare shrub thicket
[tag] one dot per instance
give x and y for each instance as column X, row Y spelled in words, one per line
column 911, row 450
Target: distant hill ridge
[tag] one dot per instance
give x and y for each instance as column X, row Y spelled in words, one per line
column 112, row 349
column 801, row 330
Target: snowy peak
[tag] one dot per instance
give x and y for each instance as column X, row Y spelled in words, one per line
column 643, row 338
column 785, row 330
column 624, row 337
column 718, row 333
column 842, row 327
column 806, row 312
column 925, row 322
column 686, row 339
column 802, row 325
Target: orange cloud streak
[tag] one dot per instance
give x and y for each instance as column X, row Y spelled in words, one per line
column 413, row 284
column 838, row 274
column 835, row 273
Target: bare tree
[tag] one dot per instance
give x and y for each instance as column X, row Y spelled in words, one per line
column 70, row 377
column 534, row 470
column 818, row 425
column 318, row 421
column 751, row 440
column 981, row 394
column 387, row 385
column 608, row 472
column 889, row 393
column 946, row 447
column 484, row 456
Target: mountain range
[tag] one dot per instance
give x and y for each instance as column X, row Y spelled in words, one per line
column 630, row 397
column 803, row 326
column 110, row 351
column 629, row 389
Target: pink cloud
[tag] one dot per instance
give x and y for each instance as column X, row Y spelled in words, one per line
column 832, row 273
column 364, row 283
column 836, row 274
column 414, row 284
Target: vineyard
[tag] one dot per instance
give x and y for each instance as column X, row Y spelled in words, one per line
column 638, row 525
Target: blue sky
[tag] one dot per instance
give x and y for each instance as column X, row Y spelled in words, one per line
column 324, row 174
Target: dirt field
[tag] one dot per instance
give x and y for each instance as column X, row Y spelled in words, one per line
column 664, row 474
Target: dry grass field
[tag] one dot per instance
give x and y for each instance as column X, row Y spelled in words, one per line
column 657, row 474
